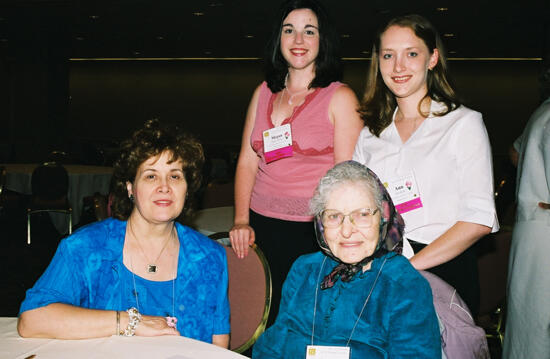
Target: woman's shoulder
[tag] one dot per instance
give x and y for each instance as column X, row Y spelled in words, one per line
column 104, row 238
column 100, row 233
column 341, row 92
column 365, row 134
column 197, row 244
column 263, row 87
column 400, row 271
column 307, row 261
column 467, row 113
column 461, row 113
column 462, row 121
column 311, row 257
column 368, row 144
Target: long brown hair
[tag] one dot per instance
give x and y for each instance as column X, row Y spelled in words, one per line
column 378, row 104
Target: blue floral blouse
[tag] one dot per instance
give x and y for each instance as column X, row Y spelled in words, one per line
column 87, row 271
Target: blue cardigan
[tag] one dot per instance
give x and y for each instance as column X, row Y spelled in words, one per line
column 87, row 271
column 399, row 320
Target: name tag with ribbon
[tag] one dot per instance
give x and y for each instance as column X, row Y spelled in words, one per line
column 277, row 143
column 404, row 193
column 327, row 352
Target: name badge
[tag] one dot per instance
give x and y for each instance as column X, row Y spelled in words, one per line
column 277, row 143
column 327, row 352
column 404, row 193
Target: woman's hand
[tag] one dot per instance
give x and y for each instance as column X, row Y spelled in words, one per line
column 544, row 205
column 151, row 326
column 242, row 236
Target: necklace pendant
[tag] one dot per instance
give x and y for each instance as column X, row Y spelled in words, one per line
column 151, row 268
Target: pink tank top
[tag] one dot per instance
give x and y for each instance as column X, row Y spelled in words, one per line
column 284, row 187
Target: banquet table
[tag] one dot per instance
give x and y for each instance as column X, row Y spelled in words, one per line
column 164, row 347
column 83, row 181
column 213, row 220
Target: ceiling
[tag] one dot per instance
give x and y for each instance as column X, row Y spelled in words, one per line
column 239, row 28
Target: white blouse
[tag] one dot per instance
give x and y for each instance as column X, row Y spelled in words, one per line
column 450, row 158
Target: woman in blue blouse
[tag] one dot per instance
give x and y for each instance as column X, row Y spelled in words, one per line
column 358, row 296
column 141, row 273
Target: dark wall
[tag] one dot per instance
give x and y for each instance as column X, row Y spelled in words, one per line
column 34, row 81
column 109, row 99
column 210, row 98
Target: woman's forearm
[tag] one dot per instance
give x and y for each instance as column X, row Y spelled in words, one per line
column 63, row 321
column 245, row 178
column 449, row 245
column 247, row 165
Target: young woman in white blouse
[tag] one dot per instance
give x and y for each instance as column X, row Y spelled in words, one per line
column 432, row 153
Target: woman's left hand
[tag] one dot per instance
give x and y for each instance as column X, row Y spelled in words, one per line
column 151, row 326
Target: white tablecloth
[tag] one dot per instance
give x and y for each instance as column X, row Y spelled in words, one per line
column 165, row 347
column 83, row 181
column 213, row 220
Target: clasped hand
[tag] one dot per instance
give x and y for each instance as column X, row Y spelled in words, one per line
column 151, row 326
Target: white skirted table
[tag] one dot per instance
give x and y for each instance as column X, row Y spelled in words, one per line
column 83, row 181
column 212, row 220
column 166, row 347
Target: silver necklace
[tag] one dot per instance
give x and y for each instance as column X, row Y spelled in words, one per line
column 169, row 319
column 152, row 266
column 290, row 94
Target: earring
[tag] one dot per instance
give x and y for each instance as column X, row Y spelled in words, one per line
column 131, row 198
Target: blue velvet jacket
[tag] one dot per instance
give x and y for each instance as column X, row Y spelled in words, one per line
column 399, row 320
column 87, row 271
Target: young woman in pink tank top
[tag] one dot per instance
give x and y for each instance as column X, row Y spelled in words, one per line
column 303, row 101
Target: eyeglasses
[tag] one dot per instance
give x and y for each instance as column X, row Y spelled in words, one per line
column 361, row 217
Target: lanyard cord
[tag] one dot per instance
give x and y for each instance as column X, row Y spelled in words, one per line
column 366, row 300
column 362, row 309
column 315, row 303
column 136, row 294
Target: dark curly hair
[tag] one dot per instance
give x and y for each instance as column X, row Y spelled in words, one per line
column 149, row 141
column 328, row 64
column 379, row 102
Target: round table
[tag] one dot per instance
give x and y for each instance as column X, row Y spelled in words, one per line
column 164, row 347
column 83, row 181
column 213, row 220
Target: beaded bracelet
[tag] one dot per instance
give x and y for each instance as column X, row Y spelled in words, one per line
column 133, row 322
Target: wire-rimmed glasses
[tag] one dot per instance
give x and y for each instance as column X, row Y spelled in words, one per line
column 361, row 217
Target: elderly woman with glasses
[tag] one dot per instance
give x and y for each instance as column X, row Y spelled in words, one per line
column 358, row 297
